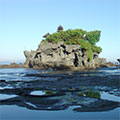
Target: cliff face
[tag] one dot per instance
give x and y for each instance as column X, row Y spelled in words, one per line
column 61, row 56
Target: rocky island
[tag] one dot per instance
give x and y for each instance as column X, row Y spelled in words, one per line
column 70, row 49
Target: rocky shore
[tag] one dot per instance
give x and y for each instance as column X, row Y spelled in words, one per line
column 15, row 65
column 58, row 90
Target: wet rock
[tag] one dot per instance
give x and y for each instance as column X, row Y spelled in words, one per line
column 100, row 105
column 2, row 80
column 60, row 101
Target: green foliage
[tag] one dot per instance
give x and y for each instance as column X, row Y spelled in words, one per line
column 93, row 36
column 55, row 37
column 66, row 36
column 84, row 44
column 79, row 41
column 96, row 49
column 86, row 40
column 92, row 94
column 90, row 54
column 49, row 92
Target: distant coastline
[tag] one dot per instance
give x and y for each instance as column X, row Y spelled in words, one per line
column 8, row 63
column 11, row 65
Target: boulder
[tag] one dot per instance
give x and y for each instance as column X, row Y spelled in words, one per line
column 61, row 56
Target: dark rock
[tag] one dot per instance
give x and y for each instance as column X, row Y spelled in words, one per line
column 118, row 60
column 2, row 80
column 100, row 105
column 61, row 56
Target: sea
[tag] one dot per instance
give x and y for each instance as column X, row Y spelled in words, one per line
column 34, row 94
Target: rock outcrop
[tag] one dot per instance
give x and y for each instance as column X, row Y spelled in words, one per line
column 71, row 49
column 61, row 56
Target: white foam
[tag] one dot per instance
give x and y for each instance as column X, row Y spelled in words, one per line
column 74, row 106
column 6, row 87
column 28, row 103
column 107, row 96
column 37, row 93
column 4, row 96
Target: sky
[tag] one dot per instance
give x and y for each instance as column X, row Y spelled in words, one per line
column 24, row 22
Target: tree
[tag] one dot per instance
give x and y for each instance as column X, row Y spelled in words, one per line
column 93, row 36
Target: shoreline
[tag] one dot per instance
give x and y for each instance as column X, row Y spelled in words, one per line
column 22, row 65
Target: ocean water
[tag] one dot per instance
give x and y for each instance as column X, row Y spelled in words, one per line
column 32, row 94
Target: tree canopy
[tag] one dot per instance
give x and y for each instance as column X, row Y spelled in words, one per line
column 93, row 36
column 86, row 40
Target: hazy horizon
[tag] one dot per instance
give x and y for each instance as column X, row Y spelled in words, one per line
column 23, row 23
